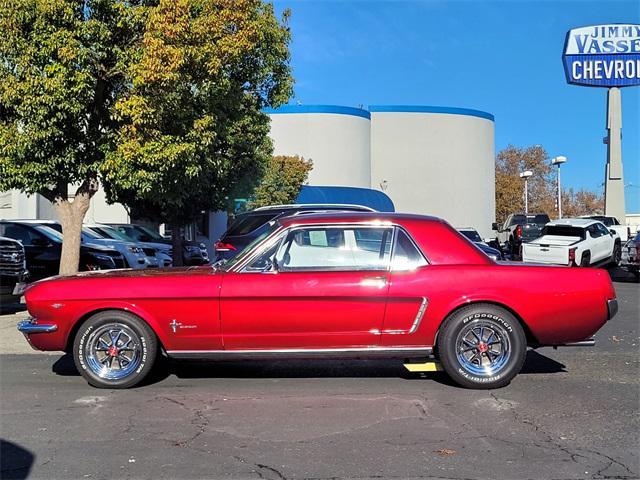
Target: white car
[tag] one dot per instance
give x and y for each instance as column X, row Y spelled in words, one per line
column 574, row 242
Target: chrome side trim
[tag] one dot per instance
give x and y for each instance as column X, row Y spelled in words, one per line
column 419, row 315
column 28, row 327
column 302, row 353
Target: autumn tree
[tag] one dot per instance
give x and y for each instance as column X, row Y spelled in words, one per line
column 510, row 162
column 282, row 181
column 581, row 202
column 62, row 70
column 193, row 131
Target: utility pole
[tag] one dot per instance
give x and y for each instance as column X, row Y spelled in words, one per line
column 559, row 161
column 526, row 174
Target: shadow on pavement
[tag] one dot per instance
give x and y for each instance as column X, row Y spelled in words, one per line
column 535, row 363
column 15, row 461
column 618, row 274
column 7, row 309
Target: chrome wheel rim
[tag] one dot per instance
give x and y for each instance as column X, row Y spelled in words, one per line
column 483, row 348
column 113, row 351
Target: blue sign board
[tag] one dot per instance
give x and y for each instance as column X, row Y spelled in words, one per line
column 603, row 55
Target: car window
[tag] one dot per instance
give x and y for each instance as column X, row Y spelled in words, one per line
column 603, row 230
column 594, row 231
column 247, row 223
column 472, row 235
column 335, row 248
column 21, row 233
column 517, row 219
column 406, row 255
column 563, row 231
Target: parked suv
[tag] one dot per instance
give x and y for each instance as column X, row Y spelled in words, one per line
column 13, row 271
column 43, row 249
column 250, row 225
column 519, row 228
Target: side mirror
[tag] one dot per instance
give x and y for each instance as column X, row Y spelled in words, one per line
column 40, row 242
column 612, row 232
column 266, row 265
column 495, row 226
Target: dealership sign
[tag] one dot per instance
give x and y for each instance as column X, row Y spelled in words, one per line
column 603, row 55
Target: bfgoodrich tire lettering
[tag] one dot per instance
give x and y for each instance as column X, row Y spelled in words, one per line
column 482, row 346
column 114, row 349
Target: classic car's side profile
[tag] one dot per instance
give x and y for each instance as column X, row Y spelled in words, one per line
column 327, row 285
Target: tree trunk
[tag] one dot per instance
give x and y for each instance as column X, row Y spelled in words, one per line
column 176, row 242
column 71, row 215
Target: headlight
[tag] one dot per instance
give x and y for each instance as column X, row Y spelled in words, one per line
column 103, row 258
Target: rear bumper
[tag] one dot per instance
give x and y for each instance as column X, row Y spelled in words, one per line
column 612, row 308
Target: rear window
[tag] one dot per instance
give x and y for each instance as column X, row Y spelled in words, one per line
column 247, row 223
column 540, row 219
column 563, row 231
column 471, row 235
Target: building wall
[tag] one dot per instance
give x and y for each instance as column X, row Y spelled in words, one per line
column 436, row 161
column 337, row 139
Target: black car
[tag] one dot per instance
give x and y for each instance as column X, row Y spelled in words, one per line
column 43, row 249
column 249, row 225
column 193, row 253
column 473, row 235
column 13, row 271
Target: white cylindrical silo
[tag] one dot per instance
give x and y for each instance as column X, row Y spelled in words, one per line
column 436, row 161
column 336, row 138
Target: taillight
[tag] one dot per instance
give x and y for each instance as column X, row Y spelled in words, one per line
column 572, row 256
column 518, row 232
column 223, row 247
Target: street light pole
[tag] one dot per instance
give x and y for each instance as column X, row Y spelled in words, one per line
column 559, row 161
column 526, row 174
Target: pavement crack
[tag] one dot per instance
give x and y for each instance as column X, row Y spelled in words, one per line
column 269, row 471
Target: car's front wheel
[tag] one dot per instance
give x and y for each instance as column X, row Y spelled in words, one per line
column 114, row 349
column 482, row 346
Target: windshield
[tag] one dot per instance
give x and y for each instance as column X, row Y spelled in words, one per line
column 149, row 233
column 271, row 227
column 471, row 235
column 49, row 232
column 112, row 233
column 608, row 221
column 564, row 231
column 248, row 222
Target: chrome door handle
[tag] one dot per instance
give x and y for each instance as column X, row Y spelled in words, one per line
column 379, row 281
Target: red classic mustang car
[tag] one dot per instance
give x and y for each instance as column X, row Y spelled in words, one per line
column 325, row 285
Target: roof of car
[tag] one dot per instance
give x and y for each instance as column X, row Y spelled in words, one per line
column 319, row 206
column 574, row 222
column 355, row 217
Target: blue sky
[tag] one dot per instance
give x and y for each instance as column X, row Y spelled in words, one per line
column 503, row 57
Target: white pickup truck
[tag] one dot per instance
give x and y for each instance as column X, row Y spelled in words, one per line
column 612, row 223
column 574, row 242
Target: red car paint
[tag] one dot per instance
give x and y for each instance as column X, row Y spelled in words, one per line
column 201, row 309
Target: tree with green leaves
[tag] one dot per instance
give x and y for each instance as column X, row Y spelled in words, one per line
column 161, row 100
column 282, row 181
column 193, row 132
column 62, row 66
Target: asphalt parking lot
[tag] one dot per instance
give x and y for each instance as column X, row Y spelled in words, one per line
column 572, row 413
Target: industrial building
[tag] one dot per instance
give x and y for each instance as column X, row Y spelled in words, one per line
column 428, row 160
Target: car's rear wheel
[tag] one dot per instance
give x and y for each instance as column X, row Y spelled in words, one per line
column 585, row 261
column 114, row 349
column 617, row 255
column 482, row 346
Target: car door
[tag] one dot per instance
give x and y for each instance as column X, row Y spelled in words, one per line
column 327, row 290
column 408, row 296
column 606, row 241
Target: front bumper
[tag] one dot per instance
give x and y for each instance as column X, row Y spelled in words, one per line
column 27, row 327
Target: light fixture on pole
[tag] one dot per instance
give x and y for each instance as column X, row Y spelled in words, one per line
column 559, row 161
column 526, row 174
